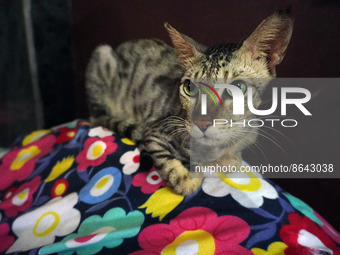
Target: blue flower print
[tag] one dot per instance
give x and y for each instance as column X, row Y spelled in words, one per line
column 102, row 186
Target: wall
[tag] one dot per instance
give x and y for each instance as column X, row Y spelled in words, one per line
column 36, row 66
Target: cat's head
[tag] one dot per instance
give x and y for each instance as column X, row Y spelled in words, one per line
column 238, row 64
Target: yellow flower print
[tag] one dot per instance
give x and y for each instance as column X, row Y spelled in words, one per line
column 276, row 248
column 60, row 168
column 35, row 136
column 128, row 141
column 247, row 188
column 252, row 183
column 24, row 156
column 162, row 202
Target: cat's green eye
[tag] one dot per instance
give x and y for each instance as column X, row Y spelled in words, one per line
column 190, row 88
column 238, row 83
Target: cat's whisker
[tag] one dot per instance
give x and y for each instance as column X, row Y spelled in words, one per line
column 250, row 147
column 172, row 121
column 273, row 141
column 258, row 146
column 262, row 135
column 176, row 131
column 171, row 128
column 269, row 135
column 171, row 124
column 279, row 132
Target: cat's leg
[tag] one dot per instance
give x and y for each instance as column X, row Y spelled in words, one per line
column 102, row 71
column 101, row 79
column 102, row 85
column 169, row 166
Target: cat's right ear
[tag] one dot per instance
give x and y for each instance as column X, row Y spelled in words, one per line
column 271, row 38
column 187, row 49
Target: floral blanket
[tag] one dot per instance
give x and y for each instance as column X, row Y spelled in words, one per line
column 78, row 189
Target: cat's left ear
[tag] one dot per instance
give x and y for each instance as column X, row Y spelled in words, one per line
column 187, row 48
column 271, row 38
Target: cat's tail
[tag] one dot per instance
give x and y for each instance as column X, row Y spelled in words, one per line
column 101, row 75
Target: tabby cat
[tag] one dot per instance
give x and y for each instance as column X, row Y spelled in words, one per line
column 147, row 91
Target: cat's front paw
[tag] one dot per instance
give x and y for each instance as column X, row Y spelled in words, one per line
column 180, row 181
column 187, row 186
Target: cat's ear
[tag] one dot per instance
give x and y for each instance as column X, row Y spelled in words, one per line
column 186, row 48
column 271, row 38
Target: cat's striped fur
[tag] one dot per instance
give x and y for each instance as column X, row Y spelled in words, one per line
column 137, row 90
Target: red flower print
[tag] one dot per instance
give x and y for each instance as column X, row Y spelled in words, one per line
column 59, row 188
column 197, row 230
column 148, row 181
column 18, row 200
column 303, row 236
column 6, row 240
column 19, row 163
column 95, row 151
column 66, row 134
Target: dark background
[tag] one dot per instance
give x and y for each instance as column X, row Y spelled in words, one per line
column 51, row 28
column 66, row 32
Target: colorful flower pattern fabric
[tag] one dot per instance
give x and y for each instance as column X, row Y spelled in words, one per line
column 74, row 189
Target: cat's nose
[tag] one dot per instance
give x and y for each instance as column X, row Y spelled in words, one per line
column 203, row 124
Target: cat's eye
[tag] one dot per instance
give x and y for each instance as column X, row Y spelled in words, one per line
column 190, row 88
column 240, row 84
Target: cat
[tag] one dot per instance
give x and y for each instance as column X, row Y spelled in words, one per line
column 148, row 91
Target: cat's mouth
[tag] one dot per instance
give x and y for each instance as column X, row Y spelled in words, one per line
column 211, row 136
